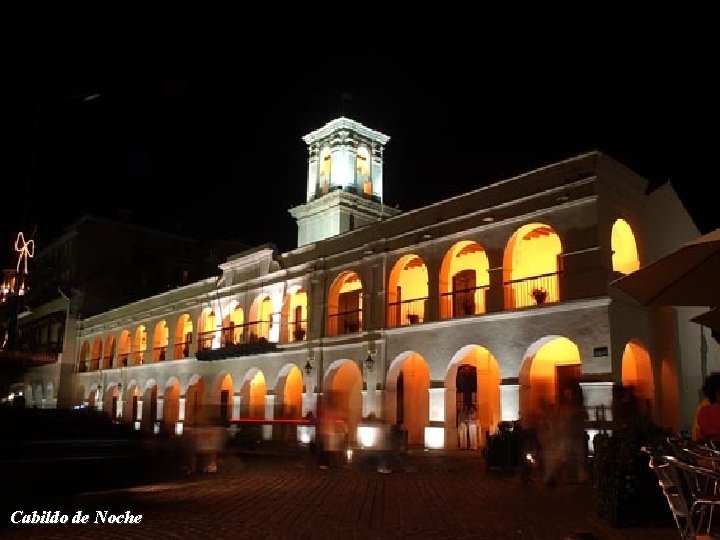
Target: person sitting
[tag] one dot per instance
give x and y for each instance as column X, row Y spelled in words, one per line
column 707, row 429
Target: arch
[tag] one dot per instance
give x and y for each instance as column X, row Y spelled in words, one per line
column 139, row 344
column 206, row 329
column 260, row 316
column 550, row 370
column 625, row 258
column 131, row 403
column 96, row 354
column 109, row 353
column 288, row 401
column 324, row 170
column 84, row 357
column 124, row 348
column 294, row 313
column 252, row 394
column 171, row 404
column 408, row 395
column 183, row 336
column 464, row 280
column 194, row 401
column 531, row 266
column 345, row 304
column 637, row 375
column 223, row 389
column 149, row 406
column 342, row 391
column 407, row 291
column 232, row 326
column 160, row 341
column 363, row 170
column 481, row 389
column 111, row 401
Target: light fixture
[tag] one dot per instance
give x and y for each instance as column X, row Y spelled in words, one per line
column 427, row 236
column 369, row 362
column 308, row 367
column 563, row 198
column 120, row 386
column 489, row 218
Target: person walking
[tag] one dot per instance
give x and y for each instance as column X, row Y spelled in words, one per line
column 472, row 428
column 462, row 429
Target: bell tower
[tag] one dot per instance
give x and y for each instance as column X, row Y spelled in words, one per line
column 344, row 181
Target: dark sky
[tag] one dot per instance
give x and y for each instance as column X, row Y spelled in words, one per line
column 200, row 114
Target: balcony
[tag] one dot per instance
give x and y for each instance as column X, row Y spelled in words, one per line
column 346, row 322
column 406, row 312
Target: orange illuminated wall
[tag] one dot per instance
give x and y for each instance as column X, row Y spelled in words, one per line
column 292, row 406
column 624, row 249
column 637, row 374
column 408, row 281
column 464, row 268
column 257, row 396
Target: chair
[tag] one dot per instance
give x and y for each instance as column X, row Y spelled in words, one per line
column 692, row 490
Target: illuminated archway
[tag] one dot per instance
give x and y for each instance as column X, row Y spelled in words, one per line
column 363, row 171
column 325, row 170
column 624, row 249
column 252, row 394
column 637, row 375
column 171, row 405
column 206, row 329
column 160, row 341
column 472, row 378
column 550, row 371
column 288, row 401
column 139, row 345
column 149, row 407
column 531, row 266
column 130, row 406
column 194, row 398
column 109, row 352
column 345, row 305
column 124, row 349
column 294, row 313
column 84, row 357
column 232, row 326
column 408, row 395
column 111, row 401
column 342, row 390
column 260, row 318
column 222, row 398
column 183, row 336
column 464, row 280
column 407, row 291
column 96, row 354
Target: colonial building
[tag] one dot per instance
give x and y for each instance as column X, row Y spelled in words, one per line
column 499, row 298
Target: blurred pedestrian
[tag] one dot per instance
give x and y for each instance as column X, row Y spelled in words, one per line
column 472, row 428
column 462, row 427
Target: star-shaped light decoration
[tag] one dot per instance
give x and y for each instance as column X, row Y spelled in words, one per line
column 25, row 249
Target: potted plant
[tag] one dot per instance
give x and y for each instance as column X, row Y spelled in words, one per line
column 539, row 294
column 299, row 334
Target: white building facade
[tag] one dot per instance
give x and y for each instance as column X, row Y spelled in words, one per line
column 499, row 298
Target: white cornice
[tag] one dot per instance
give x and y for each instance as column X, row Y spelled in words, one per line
column 345, row 123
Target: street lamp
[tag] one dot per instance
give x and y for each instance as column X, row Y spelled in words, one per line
column 369, row 362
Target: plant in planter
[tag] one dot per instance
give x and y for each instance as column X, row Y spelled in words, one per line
column 299, row 334
column 539, row 294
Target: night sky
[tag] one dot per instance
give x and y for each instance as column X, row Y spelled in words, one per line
column 197, row 127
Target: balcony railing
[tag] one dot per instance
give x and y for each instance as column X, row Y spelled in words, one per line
column 159, row 353
column 406, row 312
column 181, row 349
column 345, row 322
column 463, row 302
column 123, row 359
column 531, row 291
column 298, row 330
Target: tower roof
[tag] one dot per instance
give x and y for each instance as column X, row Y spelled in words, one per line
column 345, row 123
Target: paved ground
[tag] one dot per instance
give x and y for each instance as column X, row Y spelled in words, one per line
column 288, row 497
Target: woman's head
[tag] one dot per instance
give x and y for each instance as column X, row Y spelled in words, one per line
column 711, row 387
